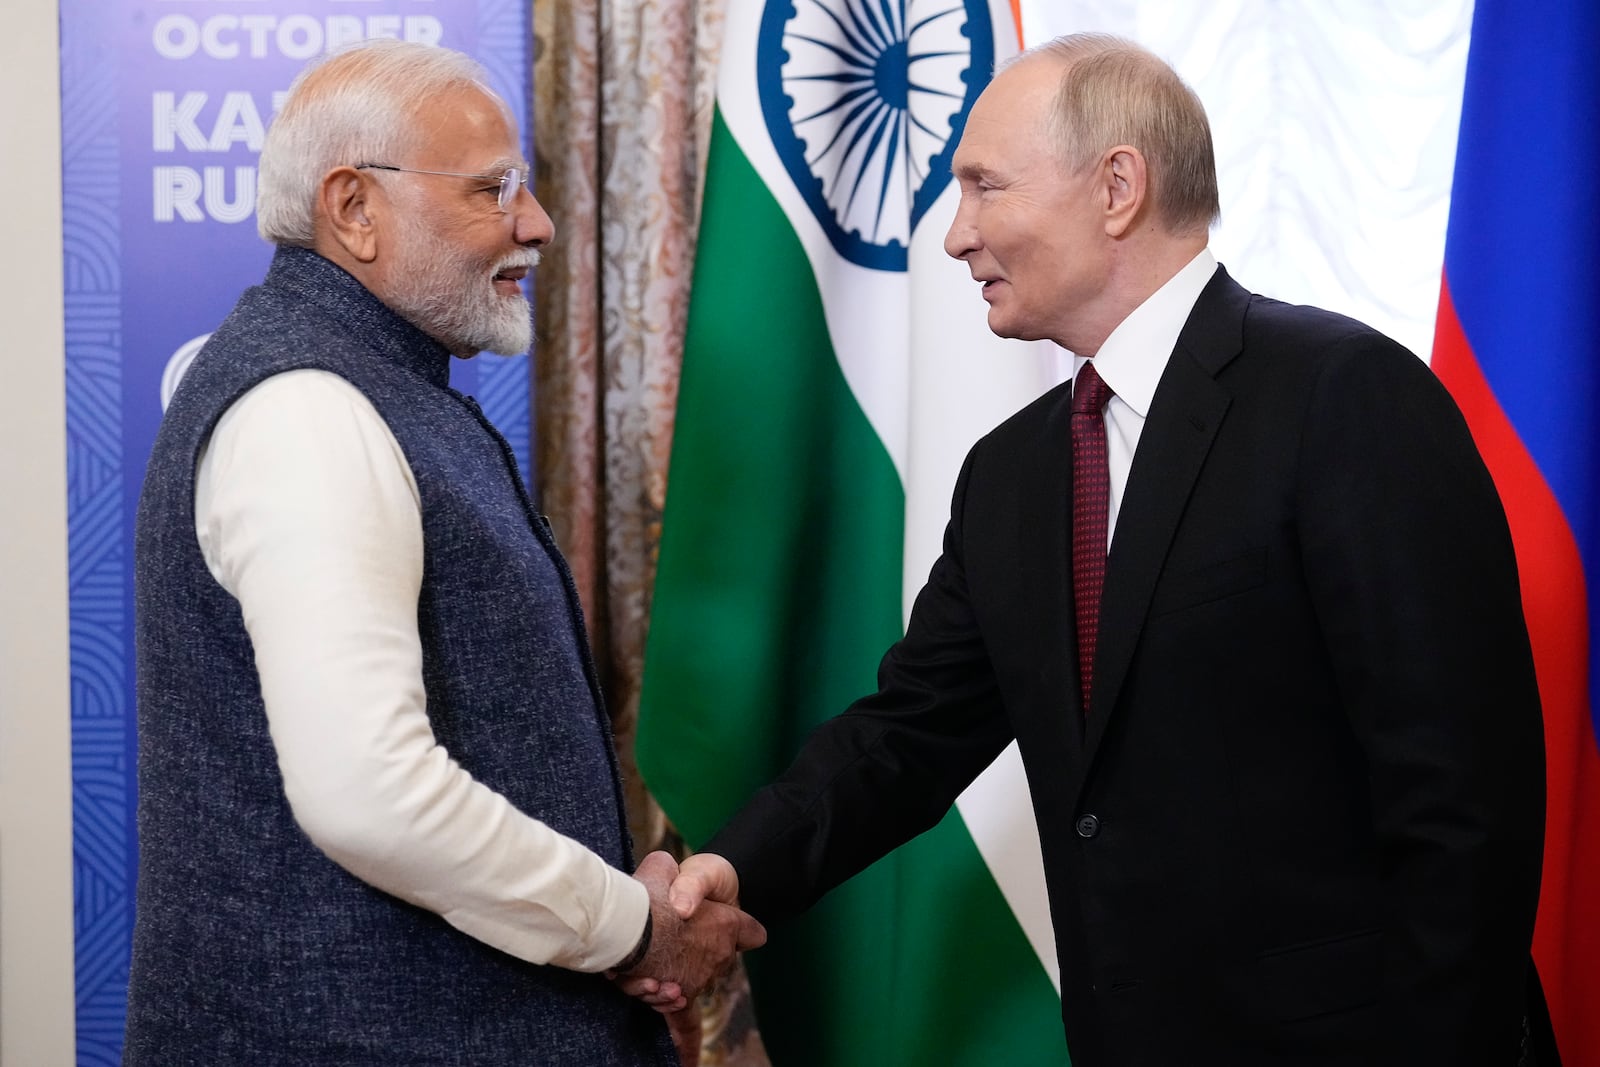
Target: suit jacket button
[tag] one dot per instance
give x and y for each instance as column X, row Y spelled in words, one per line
column 1088, row 826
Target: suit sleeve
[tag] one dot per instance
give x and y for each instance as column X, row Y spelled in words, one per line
column 1411, row 569
column 886, row 769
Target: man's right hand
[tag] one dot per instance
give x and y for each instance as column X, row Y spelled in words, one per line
column 704, row 876
column 695, row 937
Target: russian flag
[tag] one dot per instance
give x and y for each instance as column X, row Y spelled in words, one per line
column 1518, row 344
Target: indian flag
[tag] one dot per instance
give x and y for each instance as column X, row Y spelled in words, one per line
column 837, row 368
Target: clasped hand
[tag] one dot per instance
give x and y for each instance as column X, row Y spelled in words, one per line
column 697, row 929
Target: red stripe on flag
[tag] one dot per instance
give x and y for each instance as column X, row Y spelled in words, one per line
column 1566, row 940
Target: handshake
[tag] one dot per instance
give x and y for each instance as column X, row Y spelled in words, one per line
column 697, row 930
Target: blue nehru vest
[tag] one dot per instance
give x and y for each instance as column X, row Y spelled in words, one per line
column 250, row 946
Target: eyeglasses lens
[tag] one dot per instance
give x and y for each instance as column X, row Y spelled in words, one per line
column 508, row 187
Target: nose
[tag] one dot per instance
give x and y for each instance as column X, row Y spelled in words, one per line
column 533, row 226
column 961, row 240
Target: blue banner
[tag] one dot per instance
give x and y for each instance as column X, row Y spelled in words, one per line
column 164, row 107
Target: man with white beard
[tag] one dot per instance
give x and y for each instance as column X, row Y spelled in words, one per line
column 379, row 814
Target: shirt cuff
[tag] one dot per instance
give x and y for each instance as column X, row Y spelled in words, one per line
column 619, row 932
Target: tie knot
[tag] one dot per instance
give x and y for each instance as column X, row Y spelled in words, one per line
column 1089, row 392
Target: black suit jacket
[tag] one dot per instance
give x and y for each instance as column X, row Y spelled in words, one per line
column 1302, row 822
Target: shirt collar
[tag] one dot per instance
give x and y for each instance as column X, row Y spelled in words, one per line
column 1133, row 357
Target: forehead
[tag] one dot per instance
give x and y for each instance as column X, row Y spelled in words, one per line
column 1010, row 118
column 465, row 128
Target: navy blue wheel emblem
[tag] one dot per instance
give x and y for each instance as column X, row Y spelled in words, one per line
column 864, row 101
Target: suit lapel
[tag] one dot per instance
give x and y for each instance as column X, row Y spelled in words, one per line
column 1185, row 414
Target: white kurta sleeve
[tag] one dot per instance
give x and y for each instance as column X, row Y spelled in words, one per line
column 307, row 513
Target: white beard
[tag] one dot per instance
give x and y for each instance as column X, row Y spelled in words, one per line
column 436, row 288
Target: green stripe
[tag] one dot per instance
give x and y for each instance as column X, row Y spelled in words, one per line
column 777, row 591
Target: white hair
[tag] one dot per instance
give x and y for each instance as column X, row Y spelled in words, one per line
column 357, row 105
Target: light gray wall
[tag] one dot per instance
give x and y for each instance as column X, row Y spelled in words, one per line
column 36, row 975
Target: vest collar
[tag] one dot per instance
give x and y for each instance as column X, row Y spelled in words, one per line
column 331, row 287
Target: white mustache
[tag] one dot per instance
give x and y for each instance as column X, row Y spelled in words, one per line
column 525, row 260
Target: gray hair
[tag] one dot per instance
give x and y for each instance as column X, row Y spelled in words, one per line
column 1114, row 92
column 356, row 105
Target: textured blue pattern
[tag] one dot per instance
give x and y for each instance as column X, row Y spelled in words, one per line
column 503, row 393
column 102, row 764
column 505, row 42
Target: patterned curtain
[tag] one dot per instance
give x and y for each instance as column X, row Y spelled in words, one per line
column 622, row 113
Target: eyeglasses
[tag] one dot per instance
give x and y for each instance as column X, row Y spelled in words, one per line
column 509, row 181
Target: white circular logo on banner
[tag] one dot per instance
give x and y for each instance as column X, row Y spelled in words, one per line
column 177, row 363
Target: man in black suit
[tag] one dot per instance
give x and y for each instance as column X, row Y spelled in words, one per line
column 1289, row 776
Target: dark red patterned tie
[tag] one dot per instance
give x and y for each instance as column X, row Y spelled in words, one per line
column 1091, row 512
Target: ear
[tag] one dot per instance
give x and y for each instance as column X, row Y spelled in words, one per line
column 1125, row 186
column 350, row 200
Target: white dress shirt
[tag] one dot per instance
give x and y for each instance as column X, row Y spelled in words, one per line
column 1131, row 362
column 308, row 514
